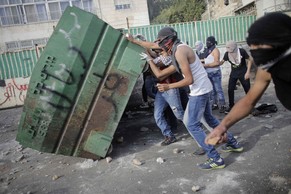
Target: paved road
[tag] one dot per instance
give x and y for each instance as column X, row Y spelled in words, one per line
column 264, row 166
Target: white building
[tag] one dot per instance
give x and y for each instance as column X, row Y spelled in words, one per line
column 24, row 23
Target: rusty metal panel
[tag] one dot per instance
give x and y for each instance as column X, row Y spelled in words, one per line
column 79, row 88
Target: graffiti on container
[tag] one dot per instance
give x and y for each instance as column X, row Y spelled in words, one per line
column 13, row 94
column 113, row 82
column 67, row 35
column 62, row 76
column 59, row 76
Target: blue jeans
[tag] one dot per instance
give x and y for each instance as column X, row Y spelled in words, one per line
column 162, row 101
column 217, row 93
column 199, row 106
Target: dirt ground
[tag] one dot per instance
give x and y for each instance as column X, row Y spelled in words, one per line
column 264, row 166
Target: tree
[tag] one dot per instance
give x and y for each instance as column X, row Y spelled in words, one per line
column 181, row 11
column 156, row 6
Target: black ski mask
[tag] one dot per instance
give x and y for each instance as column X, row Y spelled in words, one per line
column 210, row 42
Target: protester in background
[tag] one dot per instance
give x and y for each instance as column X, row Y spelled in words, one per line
column 269, row 39
column 240, row 69
column 201, row 51
column 185, row 61
column 212, row 66
column 148, row 87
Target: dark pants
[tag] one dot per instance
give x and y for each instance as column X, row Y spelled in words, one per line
column 231, row 87
column 148, row 88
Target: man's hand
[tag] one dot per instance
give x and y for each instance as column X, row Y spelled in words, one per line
column 146, row 57
column 218, row 135
column 163, row 87
column 247, row 76
column 129, row 37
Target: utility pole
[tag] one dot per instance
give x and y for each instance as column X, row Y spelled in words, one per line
column 127, row 24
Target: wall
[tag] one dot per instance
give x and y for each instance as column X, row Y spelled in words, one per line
column 13, row 92
column 266, row 6
column 25, row 32
column 217, row 9
column 137, row 15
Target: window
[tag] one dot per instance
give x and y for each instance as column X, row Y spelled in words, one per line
column 18, row 12
column 87, row 5
column 25, row 44
column 55, row 11
column 122, row 4
column 11, row 15
column 41, row 12
column 11, row 2
column 64, row 5
column 4, row 2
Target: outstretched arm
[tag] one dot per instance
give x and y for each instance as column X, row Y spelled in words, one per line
column 242, row 108
column 145, row 44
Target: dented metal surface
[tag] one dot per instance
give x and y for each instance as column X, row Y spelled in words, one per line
column 79, row 88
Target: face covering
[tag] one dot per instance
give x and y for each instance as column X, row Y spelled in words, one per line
column 231, row 47
column 266, row 58
column 167, row 42
column 199, row 46
column 209, row 44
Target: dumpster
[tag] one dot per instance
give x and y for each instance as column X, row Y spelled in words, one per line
column 79, row 87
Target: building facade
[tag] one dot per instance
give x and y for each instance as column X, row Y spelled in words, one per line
column 25, row 23
column 218, row 9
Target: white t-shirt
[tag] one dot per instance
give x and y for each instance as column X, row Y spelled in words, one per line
column 201, row 83
column 209, row 59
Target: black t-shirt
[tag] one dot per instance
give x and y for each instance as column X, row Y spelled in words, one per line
column 238, row 70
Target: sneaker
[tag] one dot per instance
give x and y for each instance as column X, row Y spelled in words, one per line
column 214, row 107
column 211, row 164
column 232, row 148
column 199, row 152
column 222, row 109
column 168, row 141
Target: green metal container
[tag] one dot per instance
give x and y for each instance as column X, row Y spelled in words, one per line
column 79, row 87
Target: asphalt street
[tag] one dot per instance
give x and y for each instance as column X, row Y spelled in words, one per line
column 138, row 164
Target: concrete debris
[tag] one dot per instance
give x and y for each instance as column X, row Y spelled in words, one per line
column 176, row 151
column 108, row 159
column 55, row 177
column 19, row 158
column 195, row 188
column 269, row 126
column 137, row 162
column 160, row 160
